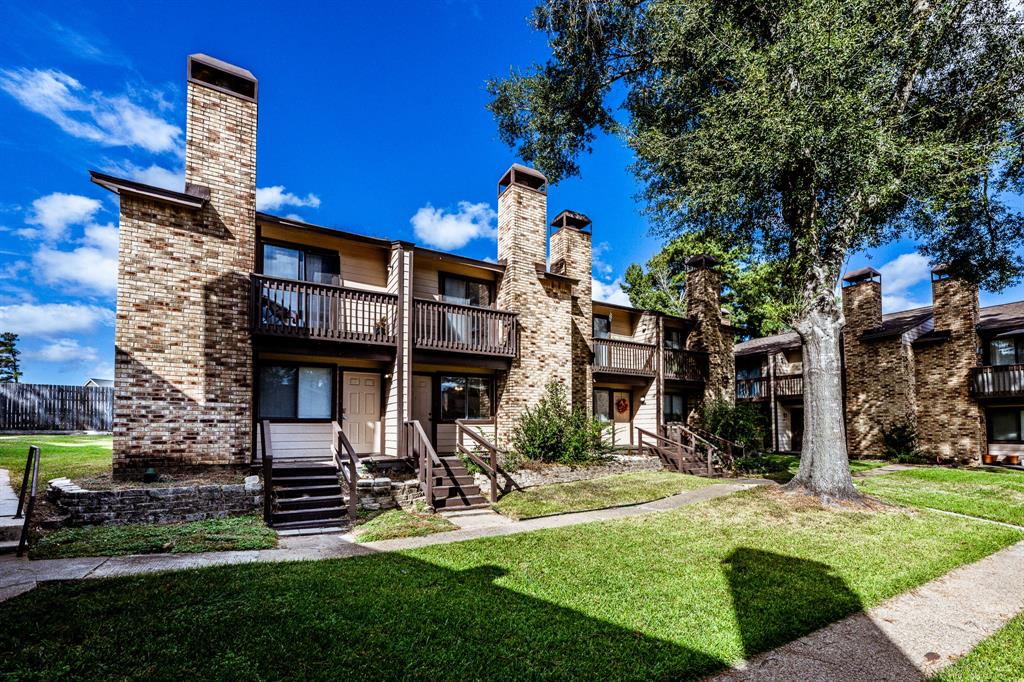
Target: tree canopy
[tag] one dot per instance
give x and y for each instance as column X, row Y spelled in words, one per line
column 808, row 129
column 750, row 293
column 10, row 369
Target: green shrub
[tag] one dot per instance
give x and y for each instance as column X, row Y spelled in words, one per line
column 757, row 464
column 552, row 432
column 742, row 424
column 900, row 442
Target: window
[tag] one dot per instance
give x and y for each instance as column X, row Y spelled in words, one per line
column 309, row 265
column 749, row 372
column 674, row 408
column 290, row 392
column 602, row 327
column 602, row 405
column 1004, row 425
column 465, row 397
column 673, row 339
column 1006, row 352
column 455, row 289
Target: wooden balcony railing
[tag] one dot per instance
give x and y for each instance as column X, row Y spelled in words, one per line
column 624, row 357
column 460, row 328
column 752, row 389
column 789, row 384
column 285, row 307
column 997, row 381
column 686, row 365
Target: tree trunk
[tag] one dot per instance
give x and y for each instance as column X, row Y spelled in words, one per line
column 824, row 464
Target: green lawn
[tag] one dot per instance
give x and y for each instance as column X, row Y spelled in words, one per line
column 596, row 493
column 781, row 467
column 991, row 494
column 71, row 456
column 241, row 532
column 664, row 596
column 396, row 523
column 998, row 658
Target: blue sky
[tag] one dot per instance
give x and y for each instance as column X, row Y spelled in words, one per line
column 371, row 119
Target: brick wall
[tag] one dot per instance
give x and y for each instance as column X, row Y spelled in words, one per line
column 183, row 368
column 879, row 373
column 950, row 423
column 574, row 246
column 544, row 307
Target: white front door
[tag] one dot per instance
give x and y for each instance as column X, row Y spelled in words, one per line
column 361, row 402
column 421, row 402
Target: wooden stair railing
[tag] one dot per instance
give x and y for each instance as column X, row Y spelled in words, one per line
column 422, row 452
column 673, row 453
column 728, row 447
column 712, row 454
column 268, row 472
column 27, row 496
column 347, row 461
column 490, row 467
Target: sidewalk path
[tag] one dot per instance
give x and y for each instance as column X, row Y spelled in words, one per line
column 21, row 575
column 910, row 637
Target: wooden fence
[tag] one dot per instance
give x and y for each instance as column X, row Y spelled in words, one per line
column 43, row 407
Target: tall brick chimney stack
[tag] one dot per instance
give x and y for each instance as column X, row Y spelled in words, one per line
column 703, row 303
column 183, row 372
column 542, row 299
column 943, row 373
column 862, row 299
column 572, row 253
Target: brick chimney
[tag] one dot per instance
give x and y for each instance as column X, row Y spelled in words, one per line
column 572, row 254
column 183, row 395
column 704, row 306
column 862, row 299
column 542, row 299
column 950, row 421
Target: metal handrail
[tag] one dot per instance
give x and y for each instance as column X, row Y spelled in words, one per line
column 31, row 463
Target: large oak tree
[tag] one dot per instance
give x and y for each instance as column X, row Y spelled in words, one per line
column 808, row 128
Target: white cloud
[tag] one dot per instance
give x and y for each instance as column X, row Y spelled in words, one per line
column 90, row 115
column 53, row 318
column 153, row 174
column 602, row 268
column 899, row 276
column 92, row 267
column 274, row 197
column 610, row 292
column 445, row 230
column 55, row 212
column 65, row 351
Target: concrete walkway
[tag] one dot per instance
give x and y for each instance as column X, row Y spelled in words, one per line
column 21, row 575
column 910, row 637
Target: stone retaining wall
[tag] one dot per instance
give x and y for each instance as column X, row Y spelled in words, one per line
column 526, row 478
column 376, row 494
column 155, row 505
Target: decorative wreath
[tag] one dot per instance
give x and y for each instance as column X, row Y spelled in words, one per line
column 621, row 405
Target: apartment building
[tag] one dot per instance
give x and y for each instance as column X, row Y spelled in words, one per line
column 227, row 317
column 953, row 370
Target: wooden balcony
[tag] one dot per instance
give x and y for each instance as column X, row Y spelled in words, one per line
column 786, row 386
column 456, row 328
column 624, row 357
column 789, row 385
column 997, row 381
column 752, row 389
column 686, row 365
column 321, row 312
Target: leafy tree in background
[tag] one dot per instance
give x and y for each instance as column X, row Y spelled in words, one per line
column 10, row 369
column 751, row 291
column 808, row 129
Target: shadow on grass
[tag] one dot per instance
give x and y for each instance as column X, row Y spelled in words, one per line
column 384, row 617
column 778, row 599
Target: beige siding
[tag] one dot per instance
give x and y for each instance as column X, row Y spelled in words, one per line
column 363, row 266
column 426, row 277
column 298, row 441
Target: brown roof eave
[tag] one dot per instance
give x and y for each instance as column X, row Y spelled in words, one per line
column 122, row 187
